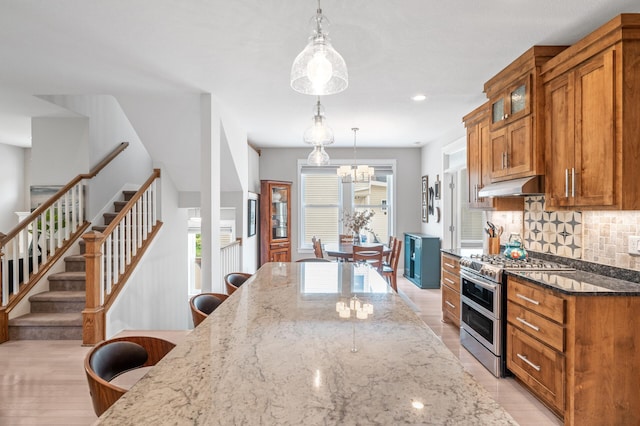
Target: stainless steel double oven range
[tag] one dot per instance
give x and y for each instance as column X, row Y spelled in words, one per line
column 483, row 305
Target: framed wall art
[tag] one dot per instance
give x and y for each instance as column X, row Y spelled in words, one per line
column 253, row 217
column 436, row 187
column 425, row 205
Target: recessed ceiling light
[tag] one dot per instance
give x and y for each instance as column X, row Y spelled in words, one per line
column 419, row 98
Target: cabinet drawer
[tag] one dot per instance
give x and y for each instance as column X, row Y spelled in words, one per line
column 537, row 326
column 451, row 280
column 451, row 305
column 451, row 264
column 537, row 299
column 537, row 365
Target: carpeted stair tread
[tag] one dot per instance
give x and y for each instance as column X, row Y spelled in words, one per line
column 59, row 296
column 68, row 276
column 75, row 258
column 64, row 319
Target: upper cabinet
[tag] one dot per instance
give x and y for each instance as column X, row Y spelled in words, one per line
column 516, row 102
column 592, row 93
column 511, row 104
column 275, row 221
column 479, row 163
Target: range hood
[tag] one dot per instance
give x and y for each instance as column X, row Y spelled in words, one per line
column 533, row 185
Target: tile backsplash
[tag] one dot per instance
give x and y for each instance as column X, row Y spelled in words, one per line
column 595, row 236
column 552, row 232
column 606, row 237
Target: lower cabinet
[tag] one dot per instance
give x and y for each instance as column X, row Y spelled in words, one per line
column 450, row 280
column 576, row 352
column 537, row 365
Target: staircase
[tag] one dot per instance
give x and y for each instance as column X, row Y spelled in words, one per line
column 57, row 314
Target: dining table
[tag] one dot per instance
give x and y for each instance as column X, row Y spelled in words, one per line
column 344, row 251
column 309, row 344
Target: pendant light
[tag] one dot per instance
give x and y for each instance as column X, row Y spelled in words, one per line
column 319, row 69
column 355, row 173
column 318, row 135
column 318, row 157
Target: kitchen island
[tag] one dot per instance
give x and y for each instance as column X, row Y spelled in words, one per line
column 282, row 351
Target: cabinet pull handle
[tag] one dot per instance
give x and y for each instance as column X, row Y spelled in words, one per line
column 528, row 324
column 506, row 160
column 524, row 358
column 523, row 297
column 503, row 160
column 573, row 182
column 566, row 183
column 449, row 281
column 449, row 304
column 449, row 265
column 476, row 190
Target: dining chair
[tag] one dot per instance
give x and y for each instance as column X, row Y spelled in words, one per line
column 317, row 247
column 387, row 256
column 234, row 280
column 346, row 238
column 111, row 358
column 390, row 271
column 369, row 254
column 204, row 304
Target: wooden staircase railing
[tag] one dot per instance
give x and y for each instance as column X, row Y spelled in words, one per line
column 112, row 255
column 29, row 250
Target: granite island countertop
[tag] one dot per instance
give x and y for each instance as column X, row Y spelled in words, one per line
column 277, row 352
column 580, row 283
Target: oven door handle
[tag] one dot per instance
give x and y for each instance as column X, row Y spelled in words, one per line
column 479, row 281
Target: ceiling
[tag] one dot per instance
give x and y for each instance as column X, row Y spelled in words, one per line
column 241, row 51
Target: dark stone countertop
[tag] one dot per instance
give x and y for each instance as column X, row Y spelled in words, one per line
column 580, row 283
column 462, row 252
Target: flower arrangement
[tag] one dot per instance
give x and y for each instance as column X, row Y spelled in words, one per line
column 358, row 220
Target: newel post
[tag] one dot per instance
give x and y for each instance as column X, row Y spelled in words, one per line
column 4, row 316
column 93, row 321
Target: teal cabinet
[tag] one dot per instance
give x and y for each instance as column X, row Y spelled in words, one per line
column 422, row 259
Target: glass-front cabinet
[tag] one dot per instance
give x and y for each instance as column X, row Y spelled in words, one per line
column 511, row 104
column 275, row 224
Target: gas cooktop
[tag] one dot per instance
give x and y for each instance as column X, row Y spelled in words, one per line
column 492, row 266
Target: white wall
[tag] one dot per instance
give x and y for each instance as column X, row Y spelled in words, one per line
column 156, row 295
column 281, row 164
column 12, row 186
column 108, row 127
column 59, row 149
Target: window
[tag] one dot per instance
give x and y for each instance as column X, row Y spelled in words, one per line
column 324, row 198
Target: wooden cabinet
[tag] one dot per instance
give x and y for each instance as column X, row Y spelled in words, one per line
column 535, row 340
column 478, row 163
column 576, row 353
column 275, row 221
column 450, row 280
column 592, row 92
column 516, row 99
column 511, row 150
column 422, row 260
column 511, row 104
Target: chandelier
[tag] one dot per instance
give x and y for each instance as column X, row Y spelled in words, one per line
column 354, row 173
column 318, row 135
column 319, row 69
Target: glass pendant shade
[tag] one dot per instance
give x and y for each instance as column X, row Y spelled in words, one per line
column 319, row 69
column 319, row 133
column 318, row 157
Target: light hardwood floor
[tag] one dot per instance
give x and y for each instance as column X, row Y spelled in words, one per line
column 43, row 382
